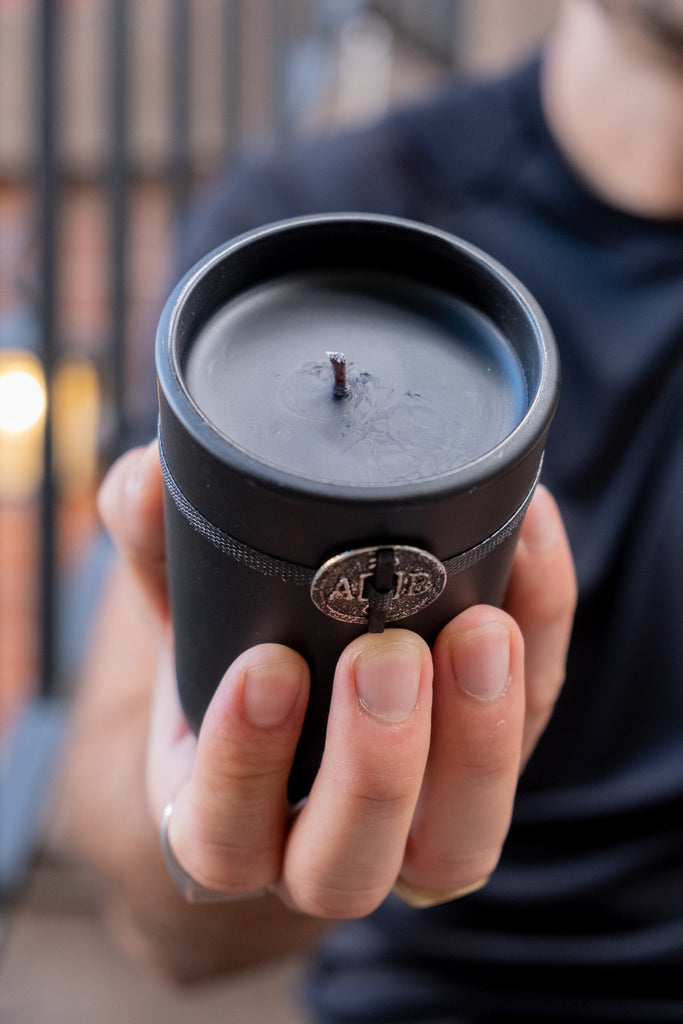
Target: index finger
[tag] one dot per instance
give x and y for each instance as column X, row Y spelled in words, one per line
column 229, row 785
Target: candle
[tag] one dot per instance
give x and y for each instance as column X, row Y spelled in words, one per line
column 353, row 411
column 430, row 384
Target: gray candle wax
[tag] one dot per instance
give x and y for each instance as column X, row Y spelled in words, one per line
column 432, row 384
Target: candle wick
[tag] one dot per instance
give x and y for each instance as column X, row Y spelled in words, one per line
column 341, row 387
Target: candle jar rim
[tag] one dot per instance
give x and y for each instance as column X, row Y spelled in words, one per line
column 509, row 306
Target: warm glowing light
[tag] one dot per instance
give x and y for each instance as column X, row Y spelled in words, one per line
column 76, row 399
column 22, row 400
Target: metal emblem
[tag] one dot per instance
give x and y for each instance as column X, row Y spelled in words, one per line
column 341, row 587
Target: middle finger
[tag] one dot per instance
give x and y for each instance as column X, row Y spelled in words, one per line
column 347, row 845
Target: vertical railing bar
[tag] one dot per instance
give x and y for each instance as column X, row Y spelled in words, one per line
column 449, row 28
column 232, row 74
column 48, row 189
column 118, row 216
column 435, row 29
column 279, row 49
column 179, row 73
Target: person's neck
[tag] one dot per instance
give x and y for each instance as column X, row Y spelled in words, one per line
column 615, row 107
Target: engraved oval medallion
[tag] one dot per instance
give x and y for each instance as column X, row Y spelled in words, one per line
column 340, row 586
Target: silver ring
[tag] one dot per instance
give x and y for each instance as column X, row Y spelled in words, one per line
column 189, row 887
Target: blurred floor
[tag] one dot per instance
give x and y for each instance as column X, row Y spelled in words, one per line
column 58, row 966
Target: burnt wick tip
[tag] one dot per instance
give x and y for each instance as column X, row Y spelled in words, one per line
column 338, row 362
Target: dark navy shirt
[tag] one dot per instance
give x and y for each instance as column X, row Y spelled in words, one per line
column 583, row 920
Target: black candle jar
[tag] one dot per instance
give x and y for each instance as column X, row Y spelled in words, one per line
column 302, row 512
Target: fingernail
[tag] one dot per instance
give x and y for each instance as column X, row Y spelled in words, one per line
column 481, row 662
column 388, row 680
column 270, row 692
column 420, row 898
column 540, row 523
column 139, row 475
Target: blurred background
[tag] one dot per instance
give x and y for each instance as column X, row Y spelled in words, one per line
column 112, row 115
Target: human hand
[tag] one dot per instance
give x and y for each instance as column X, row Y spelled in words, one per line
column 423, row 749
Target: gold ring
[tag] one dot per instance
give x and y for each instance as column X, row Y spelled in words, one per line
column 419, row 898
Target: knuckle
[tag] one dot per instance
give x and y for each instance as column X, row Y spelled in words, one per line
column 486, row 771
column 565, row 605
column 542, row 696
column 550, row 606
column 234, row 855
column 384, row 799
column 491, row 758
column 547, row 595
column 480, row 866
column 337, row 902
column 234, row 869
column 455, row 874
column 251, row 768
column 384, row 788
